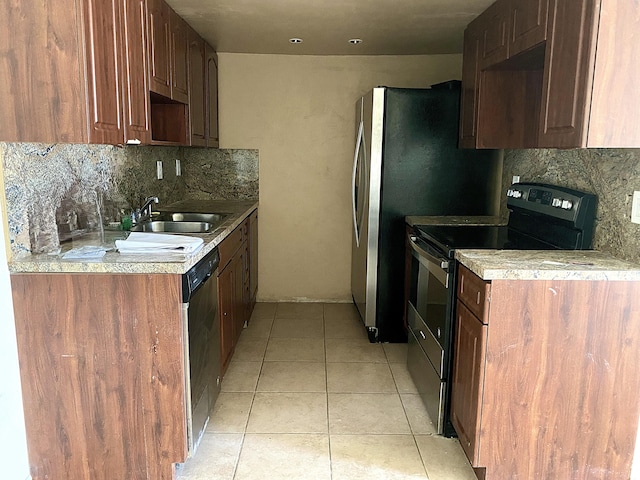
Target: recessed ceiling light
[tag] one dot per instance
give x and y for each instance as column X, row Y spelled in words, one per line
column 355, row 41
column 295, row 40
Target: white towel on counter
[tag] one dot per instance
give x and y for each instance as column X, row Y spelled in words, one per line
column 140, row 242
column 88, row 252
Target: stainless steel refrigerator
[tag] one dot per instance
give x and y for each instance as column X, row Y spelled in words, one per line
column 407, row 162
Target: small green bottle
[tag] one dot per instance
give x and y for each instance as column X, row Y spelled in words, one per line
column 126, row 223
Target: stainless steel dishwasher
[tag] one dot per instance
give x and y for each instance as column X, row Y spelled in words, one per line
column 201, row 327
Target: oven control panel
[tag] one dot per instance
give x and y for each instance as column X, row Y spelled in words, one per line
column 542, row 196
column 551, row 200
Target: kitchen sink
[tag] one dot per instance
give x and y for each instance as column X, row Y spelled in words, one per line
column 160, row 226
column 212, row 218
column 181, row 222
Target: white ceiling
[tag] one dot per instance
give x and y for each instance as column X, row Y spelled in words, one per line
column 387, row 27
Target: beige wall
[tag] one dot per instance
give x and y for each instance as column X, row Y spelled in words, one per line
column 299, row 111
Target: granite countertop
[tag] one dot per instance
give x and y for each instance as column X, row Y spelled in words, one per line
column 547, row 265
column 114, row 262
column 455, row 220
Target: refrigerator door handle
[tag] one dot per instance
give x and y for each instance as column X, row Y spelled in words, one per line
column 354, row 183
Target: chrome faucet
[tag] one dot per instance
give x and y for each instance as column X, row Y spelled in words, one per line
column 144, row 212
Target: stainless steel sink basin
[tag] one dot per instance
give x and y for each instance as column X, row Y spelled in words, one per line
column 160, row 226
column 212, row 218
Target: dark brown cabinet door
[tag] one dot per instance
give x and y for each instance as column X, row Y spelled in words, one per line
column 179, row 59
column 494, row 38
column 253, row 258
column 212, row 97
column 197, row 90
column 468, row 379
column 55, row 110
column 567, row 80
column 528, row 27
column 160, row 47
column 136, row 78
column 83, row 368
column 103, row 41
column 237, row 264
column 246, row 272
column 226, row 304
column 470, row 87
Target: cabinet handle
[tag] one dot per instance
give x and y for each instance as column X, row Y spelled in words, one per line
column 424, row 337
column 478, row 301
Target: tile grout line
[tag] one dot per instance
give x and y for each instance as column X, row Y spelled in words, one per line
column 253, row 398
column 326, row 386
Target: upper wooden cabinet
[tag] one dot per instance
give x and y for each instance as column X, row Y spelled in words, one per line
column 104, row 71
column 69, row 72
column 179, row 58
column 169, row 53
column 212, row 97
column 136, row 77
column 510, row 27
column 203, row 84
column 160, row 47
column 197, row 90
column 567, row 79
column 104, row 46
column 493, row 28
column 527, row 24
column 470, row 86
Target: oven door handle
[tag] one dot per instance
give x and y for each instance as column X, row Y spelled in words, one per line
column 439, row 266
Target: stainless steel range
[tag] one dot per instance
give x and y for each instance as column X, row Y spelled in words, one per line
column 542, row 217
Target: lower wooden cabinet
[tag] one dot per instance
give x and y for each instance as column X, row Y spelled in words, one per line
column 546, row 377
column 103, row 374
column 468, row 379
column 235, row 278
column 227, row 309
column 252, row 262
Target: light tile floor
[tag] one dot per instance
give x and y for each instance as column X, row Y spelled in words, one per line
column 306, row 396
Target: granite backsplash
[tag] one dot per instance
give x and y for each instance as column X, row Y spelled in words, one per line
column 55, row 192
column 612, row 174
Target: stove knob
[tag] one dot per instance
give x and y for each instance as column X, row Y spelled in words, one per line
column 556, row 202
column 509, row 193
column 517, row 194
column 567, row 204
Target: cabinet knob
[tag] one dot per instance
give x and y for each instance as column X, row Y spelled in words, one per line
column 424, row 337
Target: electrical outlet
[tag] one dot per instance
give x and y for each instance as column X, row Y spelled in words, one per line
column 178, row 168
column 635, row 207
column 159, row 169
column 515, row 179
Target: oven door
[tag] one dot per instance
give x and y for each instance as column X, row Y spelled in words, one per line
column 428, row 320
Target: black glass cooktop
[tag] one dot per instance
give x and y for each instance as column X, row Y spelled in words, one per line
column 448, row 238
